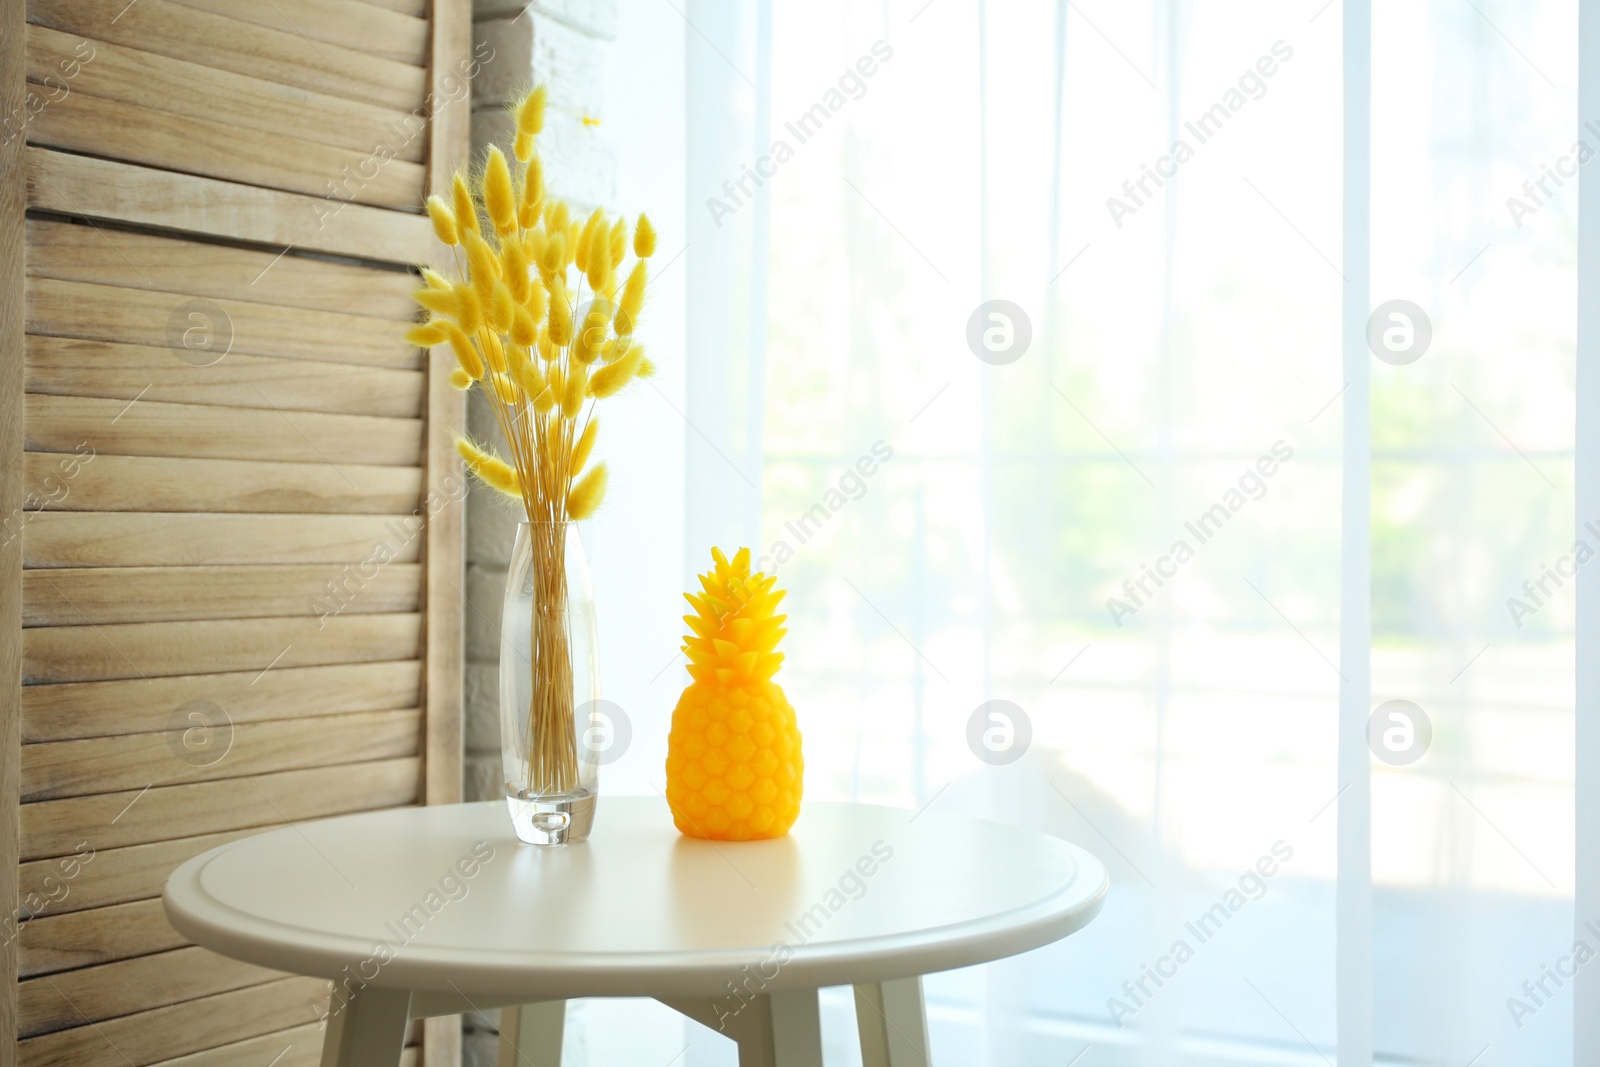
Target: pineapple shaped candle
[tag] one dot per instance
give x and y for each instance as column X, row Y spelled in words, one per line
column 734, row 766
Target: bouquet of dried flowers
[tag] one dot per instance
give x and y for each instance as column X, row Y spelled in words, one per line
column 542, row 322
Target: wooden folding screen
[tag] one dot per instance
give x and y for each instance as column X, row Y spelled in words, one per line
column 230, row 523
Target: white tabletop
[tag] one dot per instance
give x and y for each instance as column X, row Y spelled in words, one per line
column 856, row 893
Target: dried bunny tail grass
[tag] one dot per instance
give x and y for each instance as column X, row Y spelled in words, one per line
column 514, row 267
column 491, row 470
column 524, row 327
column 502, row 308
column 461, row 380
column 466, row 213
column 532, row 188
column 438, row 301
column 537, row 301
column 644, row 237
column 647, row 368
column 522, row 146
column 469, row 309
column 599, row 257
column 530, row 111
column 559, row 323
column 611, row 378
column 545, row 401
column 427, row 334
column 585, row 235
column 557, row 217
column 619, row 240
column 499, row 199
column 553, row 257
column 436, row 280
column 466, row 354
column 494, row 353
column 632, row 298
column 574, row 390
column 444, row 223
column 526, row 373
column 483, row 266
column 546, row 347
column 586, row 495
column 504, row 388
column 585, row 445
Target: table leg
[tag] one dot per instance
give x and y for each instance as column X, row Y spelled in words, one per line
column 368, row 1030
column 530, row 1034
column 771, row 1030
column 892, row 1023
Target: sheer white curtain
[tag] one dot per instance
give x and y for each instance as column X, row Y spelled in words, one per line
column 1195, row 531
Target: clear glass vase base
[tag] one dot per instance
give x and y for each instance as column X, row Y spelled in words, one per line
column 560, row 819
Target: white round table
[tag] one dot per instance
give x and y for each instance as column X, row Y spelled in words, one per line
column 416, row 912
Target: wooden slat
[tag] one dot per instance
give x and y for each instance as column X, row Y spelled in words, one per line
column 67, row 366
column 82, row 123
column 138, row 316
column 81, row 253
column 403, row 38
column 105, row 189
column 417, row 8
column 154, row 483
column 148, row 1037
column 149, row 539
column 158, row 649
column 94, row 994
column 55, row 827
column 107, row 709
column 12, row 203
column 211, row 94
column 109, row 764
column 164, row 594
column 297, row 1047
column 285, row 56
column 52, row 943
column 114, row 875
column 197, row 431
column 445, row 548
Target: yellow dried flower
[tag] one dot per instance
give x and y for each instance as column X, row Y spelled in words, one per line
column 435, row 280
column 466, row 354
column 469, row 311
column 644, row 237
column 522, row 146
column 585, row 445
column 524, row 328
column 553, row 259
column 545, row 401
column 586, row 495
column 466, row 214
column 514, row 267
column 438, row 301
column 599, row 256
column 557, row 217
column 444, row 223
column 580, row 254
column 632, row 299
column 574, row 390
column 502, row 309
column 460, row 379
column 499, row 200
column 426, row 335
column 530, row 111
column 493, row 352
column 504, row 388
column 611, row 378
column 619, row 240
column 493, row 471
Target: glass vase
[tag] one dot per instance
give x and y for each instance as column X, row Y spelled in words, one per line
column 549, row 684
